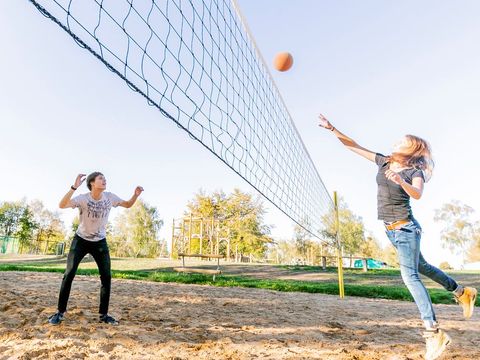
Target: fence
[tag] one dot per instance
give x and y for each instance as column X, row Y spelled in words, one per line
column 13, row 245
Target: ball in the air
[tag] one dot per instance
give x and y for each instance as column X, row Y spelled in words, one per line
column 283, row 61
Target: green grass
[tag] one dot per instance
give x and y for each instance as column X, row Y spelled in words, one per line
column 360, row 272
column 331, row 269
column 369, row 291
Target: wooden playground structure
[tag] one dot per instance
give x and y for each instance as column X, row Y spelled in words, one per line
column 200, row 236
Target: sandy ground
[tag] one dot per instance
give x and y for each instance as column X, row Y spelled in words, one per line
column 174, row 321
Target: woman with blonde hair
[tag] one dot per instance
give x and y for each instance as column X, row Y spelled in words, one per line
column 401, row 176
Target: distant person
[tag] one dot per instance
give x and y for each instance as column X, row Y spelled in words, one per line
column 90, row 238
column 400, row 176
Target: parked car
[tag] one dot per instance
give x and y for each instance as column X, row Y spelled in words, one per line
column 371, row 264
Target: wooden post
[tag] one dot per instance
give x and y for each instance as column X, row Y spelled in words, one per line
column 217, row 252
column 339, row 250
column 190, row 234
column 228, row 243
column 201, row 236
column 211, row 237
column 162, row 248
column 172, row 241
column 365, row 265
column 183, row 249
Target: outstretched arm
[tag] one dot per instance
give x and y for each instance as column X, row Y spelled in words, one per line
column 66, row 200
column 347, row 141
column 129, row 203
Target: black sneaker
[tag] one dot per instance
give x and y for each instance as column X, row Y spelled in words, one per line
column 56, row 318
column 107, row 319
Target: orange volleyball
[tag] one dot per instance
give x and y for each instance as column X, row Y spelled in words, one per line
column 283, row 61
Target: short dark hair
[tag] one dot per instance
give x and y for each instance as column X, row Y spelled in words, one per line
column 91, row 178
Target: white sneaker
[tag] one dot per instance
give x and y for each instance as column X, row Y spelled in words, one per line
column 436, row 342
column 467, row 301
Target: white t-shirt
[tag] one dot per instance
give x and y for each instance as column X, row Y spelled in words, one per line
column 94, row 214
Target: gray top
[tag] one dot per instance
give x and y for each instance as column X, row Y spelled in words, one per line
column 94, row 214
column 393, row 203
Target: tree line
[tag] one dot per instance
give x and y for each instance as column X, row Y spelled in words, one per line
column 135, row 232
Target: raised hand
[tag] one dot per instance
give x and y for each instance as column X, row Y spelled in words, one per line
column 138, row 190
column 393, row 176
column 79, row 180
column 323, row 122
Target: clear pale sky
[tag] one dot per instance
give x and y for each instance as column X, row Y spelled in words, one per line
column 378, row 70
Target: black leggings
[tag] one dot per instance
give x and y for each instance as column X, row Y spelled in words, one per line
column 78, row 250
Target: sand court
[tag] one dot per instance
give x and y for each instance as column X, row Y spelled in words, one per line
column 176, row 321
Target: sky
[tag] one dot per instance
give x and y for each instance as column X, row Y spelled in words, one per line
column 377, row 69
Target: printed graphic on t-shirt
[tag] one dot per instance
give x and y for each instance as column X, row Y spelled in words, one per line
column 99, row 209
column 94, row 214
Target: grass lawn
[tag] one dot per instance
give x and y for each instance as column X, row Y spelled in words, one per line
column 234, row 275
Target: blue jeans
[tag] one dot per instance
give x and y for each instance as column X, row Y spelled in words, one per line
column 407, row 242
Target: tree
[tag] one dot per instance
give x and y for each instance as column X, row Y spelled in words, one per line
column 301, row 238
column 474, row 250
column 17, row 220
column 26, row 227
column 31, row 223
column 75, row 224
column 458, row 231
column 390, row 256
column 444, row 265
column 351, row 229
column 281, row 251
column 10, row 214
column 371, row 248
column 136, row 231
column 49, row 226
column 241, row 216
column 244, row 222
